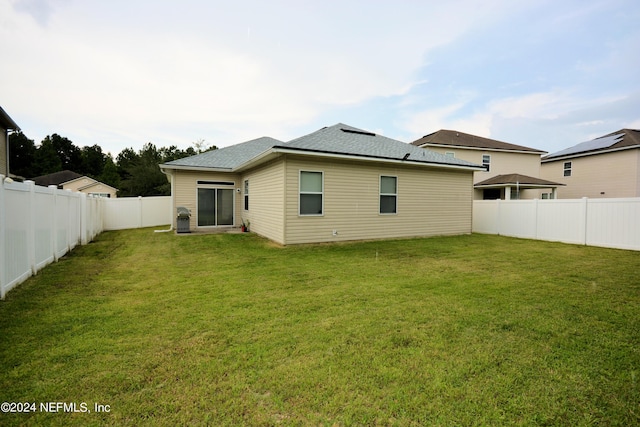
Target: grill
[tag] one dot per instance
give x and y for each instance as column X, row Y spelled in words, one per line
column 184, row 220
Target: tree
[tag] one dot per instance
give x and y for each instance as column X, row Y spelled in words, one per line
column 142, row 176
column 22, row 155
column 70, row 156
column 110, row 174
column 93, row 161
column 46, row 159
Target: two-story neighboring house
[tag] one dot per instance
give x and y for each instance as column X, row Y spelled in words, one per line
column 7, row 125
column 608, row 166
column 511, row 171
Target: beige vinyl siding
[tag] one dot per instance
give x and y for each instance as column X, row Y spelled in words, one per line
column 614, row 174
column 502, row 163
column 3, row 152
column 186, row 191
column 430, row 202
column 266, row 201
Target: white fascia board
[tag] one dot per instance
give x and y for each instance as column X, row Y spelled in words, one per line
column 594, row 153
column 376, row 159
column 196, row 168
column 464, row 147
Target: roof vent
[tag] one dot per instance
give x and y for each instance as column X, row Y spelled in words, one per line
column 359, row 132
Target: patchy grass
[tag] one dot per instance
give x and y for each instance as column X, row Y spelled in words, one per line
column 230, row 330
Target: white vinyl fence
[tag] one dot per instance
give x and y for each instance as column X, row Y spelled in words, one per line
column 613, row 223
column 38, row 225
column 137, row 212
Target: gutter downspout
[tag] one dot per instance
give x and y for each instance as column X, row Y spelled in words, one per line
column 172, row 181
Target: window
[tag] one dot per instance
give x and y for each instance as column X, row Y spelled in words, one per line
column 388, row 194
column 450, row 154
column 567, row 168
column 486, row 161
column 246, row 194
column 215, row 206
column 311, row 193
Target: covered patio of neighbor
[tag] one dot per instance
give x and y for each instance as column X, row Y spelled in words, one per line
column 510, row 186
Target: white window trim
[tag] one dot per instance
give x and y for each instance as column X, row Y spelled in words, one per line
column 488, row 169
column 230, row 186
column 565, row 169
column 380, row 194
column 245, row 198
column 307, row 192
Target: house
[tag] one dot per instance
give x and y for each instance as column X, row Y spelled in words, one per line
column 608, row 166
column 338, row 183
column 69, row 180
column 510, row 171
column 7, row 125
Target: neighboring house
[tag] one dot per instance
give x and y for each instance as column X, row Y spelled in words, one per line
column 511, row 171
column 68, row 180
column 608, row 166
column 7, row 125
column 338, row 183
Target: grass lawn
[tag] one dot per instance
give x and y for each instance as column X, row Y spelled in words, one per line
column 232, row 330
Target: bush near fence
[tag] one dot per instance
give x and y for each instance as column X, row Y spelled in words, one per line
column 613, row 223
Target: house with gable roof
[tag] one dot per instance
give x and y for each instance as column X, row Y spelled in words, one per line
column 510, row 171
column 69, row 180
column 336, row 184
column 607, row 166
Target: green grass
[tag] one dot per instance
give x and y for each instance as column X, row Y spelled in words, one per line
column 233, row 330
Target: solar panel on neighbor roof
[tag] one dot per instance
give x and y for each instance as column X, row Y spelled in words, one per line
column 594, row 144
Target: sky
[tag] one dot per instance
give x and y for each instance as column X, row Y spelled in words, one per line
column 545, row 74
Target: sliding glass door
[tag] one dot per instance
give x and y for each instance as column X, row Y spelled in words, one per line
column 215, row 207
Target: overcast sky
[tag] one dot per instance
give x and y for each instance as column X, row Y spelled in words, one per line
column 544, row 74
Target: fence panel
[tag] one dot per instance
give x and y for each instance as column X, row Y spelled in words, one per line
column 38, row 225
column 614, row 223
column 598, row 222
column 136, row 212
column 561, row 220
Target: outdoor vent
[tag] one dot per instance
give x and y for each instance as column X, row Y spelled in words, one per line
column 359, row 132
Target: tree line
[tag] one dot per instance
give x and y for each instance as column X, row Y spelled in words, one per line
column 133, row 173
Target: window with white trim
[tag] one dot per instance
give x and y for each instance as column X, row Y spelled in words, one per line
column 246, row 194
column 486, row 161
column 388, row 194
column 311, row 193
column 567, row 168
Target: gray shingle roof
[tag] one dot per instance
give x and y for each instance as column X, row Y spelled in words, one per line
column 345, row 139
column 228, row 157
column 338, row 139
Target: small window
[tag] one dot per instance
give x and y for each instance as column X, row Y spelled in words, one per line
column 246, row 195
column 311, row 193
column 567, row 168
column 388, row 194
column 450, row 154
column 486, row 161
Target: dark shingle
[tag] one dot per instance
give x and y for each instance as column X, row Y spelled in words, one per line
column 461, row 139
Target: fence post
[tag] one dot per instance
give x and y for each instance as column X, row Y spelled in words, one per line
column 31, row 235
column 140, row 208
column 83, row 219
column 498, row 217
column 3, row 207
column 535, row 215
column 54, row 225
column 583, row 220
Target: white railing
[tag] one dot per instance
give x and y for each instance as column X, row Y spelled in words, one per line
column 38, row 225
column 613, row 223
